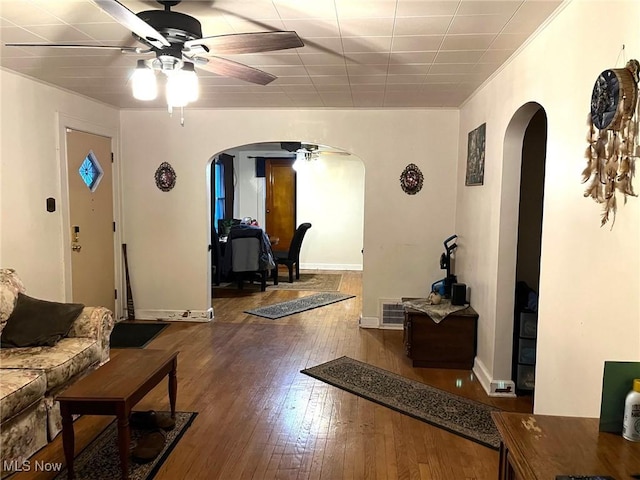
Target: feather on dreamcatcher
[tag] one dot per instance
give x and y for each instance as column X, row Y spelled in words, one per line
column 613, row 138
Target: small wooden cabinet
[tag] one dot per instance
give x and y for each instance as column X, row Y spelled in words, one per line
column 448, row 344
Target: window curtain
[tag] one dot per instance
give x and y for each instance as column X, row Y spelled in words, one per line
column 219, row 191
column 227, row 164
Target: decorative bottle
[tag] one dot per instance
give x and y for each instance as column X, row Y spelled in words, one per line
column 631, row 423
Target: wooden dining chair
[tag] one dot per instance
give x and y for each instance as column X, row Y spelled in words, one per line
column 291, row 258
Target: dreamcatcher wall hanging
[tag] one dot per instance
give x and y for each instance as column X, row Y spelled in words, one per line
column 613, row 138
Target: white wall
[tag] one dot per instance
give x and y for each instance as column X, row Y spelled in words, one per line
column 167, row 233
column 589, row 281
column 330, row 193
column 330, row 196
column 32, row 239
column 250, row 191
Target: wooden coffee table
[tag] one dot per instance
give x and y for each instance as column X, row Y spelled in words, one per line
column 113, row 389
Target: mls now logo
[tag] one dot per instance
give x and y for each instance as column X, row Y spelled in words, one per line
column 21, row 465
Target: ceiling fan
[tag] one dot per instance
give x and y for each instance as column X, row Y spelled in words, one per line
column 310, row 150
column 177, row 42
column 306, row 152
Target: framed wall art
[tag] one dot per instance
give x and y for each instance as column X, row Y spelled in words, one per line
column 475, row 156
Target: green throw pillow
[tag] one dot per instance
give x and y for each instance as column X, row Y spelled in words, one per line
column 35, row 322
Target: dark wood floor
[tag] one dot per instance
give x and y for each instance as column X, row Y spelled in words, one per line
column 260, row 418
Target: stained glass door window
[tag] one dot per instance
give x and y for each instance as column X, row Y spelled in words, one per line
column 91, row 171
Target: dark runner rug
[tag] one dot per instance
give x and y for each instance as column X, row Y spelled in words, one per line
column 283, row 309
column 459, row 415
column 135, row 335
column 100, row 459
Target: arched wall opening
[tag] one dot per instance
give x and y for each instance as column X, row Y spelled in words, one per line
column 329, row 194
column 175, row 225
column 510, row 212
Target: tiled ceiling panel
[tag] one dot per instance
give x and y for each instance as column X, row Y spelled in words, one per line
column 357, row 53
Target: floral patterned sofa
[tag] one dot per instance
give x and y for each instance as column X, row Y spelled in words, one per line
column 31, row 377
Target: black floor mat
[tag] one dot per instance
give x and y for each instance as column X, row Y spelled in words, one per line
column 134, row 335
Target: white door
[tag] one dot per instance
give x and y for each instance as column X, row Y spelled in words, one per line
column 90, row 183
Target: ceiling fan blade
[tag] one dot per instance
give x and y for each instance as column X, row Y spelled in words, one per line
column 266, row 26
column 130, row 20
column 123, row 49
column 247, row 42
column 229, row 68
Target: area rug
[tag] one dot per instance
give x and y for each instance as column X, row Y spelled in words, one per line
column 135, row 335
column 283, row 309
column 100, row 459
column 459, row 415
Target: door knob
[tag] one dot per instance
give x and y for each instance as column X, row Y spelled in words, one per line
column 76, row 247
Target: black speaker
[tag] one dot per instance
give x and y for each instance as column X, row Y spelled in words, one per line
column 458, row 294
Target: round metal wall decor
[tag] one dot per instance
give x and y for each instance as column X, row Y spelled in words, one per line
column 411, row 179
column 165, row 177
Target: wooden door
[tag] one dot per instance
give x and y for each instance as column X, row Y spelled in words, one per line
column 91, row 217
column 281, row 201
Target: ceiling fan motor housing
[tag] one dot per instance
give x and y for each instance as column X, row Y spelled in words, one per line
column 175, row 26
column 290, row 146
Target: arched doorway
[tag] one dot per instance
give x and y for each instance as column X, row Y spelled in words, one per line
column 528, row 253
column 521, row 210
column 329, row 194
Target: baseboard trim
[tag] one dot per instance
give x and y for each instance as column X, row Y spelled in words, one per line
column 176, row 315
column 369, row 322
column 482, row 375
column 391, row 327
column 330, row 266
column 493, row 388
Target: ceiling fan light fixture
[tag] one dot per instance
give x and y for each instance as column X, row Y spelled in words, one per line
column 190, row 79
column 182, row 86
column 143, row 82
column 302, row 157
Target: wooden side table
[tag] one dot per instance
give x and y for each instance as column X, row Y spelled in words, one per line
column 536, row 447
column 113, row 389
column 448, row 344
